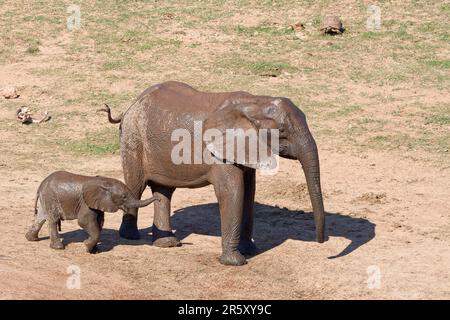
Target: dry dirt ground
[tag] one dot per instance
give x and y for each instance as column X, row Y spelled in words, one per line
column 377, row 103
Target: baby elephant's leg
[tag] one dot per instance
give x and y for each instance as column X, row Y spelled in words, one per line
column 32, row 234
column 100, row 220
column 55, row 241
column 39, row 219
column 89, row 222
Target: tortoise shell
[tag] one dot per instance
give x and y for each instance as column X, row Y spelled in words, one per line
column 332, row 24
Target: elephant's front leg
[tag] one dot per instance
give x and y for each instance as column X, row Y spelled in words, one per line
column 162, row 235
column 228, row 184
column 89, row 222
column 246, row 245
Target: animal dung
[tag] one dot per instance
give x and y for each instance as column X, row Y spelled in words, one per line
column 24, row 115
column 9, row 92
column 332, row 25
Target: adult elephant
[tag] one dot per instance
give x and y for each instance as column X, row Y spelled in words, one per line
column 146, row 148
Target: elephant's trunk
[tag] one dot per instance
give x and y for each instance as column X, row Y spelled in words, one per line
column 309, row 159
column 141, row 203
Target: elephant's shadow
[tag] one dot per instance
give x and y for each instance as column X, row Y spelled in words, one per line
column 274, row 225
column 109, row 238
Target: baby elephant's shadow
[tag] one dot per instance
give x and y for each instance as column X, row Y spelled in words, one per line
column 109, row 238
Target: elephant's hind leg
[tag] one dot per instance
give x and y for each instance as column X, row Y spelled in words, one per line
column 33, row 232
column 55, row 241
column 162, row 235
column 134, row 179
column 100, row 220
column 39, row 220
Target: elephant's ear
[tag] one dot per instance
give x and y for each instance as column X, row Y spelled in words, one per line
column 241, row 133
column 97, row 196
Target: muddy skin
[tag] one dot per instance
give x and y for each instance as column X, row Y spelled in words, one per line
column 146, row 148
column 67, row 196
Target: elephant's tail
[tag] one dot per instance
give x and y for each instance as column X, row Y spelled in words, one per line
column 36, row 201
column 107, row 109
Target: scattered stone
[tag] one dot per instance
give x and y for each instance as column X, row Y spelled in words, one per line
column 332, row 25
column 24, row 115
column 168, row 16
column 296, row 26
column 9, row 92
column 372, row 198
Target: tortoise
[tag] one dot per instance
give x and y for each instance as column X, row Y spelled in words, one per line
column 332, row 25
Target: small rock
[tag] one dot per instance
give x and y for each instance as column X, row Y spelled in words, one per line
column 181, row 32
column 168, row 16
column 297, row 25
column 9, row 92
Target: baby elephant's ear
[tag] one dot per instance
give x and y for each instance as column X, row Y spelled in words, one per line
column 96, row 195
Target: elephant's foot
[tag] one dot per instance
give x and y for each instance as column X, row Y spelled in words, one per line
column 32, row 235
column 233, row 258
column 128, row 228
column 92, row 249
column 58, row 245
column 247, row 247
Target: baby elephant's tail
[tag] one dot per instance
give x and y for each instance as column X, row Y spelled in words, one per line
column 107, row 109
column 35, row 203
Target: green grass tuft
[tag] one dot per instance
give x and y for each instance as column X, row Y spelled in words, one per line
column 440, row 64
column 264, row 29
column 260, row 68
column 102, row 142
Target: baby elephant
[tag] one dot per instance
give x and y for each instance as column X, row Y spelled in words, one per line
column 67, row 196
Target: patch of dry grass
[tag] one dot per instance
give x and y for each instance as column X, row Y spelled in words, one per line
column 353, row 87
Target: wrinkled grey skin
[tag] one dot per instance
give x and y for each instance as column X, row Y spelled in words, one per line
column 145, row 139
column 67, row 196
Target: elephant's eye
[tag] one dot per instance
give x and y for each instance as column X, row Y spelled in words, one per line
column 270, row 111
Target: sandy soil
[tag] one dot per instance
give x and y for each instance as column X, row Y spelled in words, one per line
column 391, row 213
